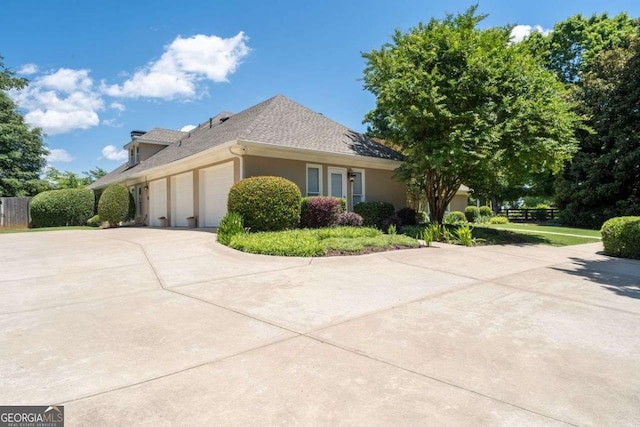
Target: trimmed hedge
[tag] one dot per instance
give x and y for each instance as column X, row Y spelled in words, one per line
column 351, row 219
column 113, row 206
column 320, row 211
column 408, row 216
column 59, row 208
column 621, row 237
column 266, row 203
column 454, row 217
column 485, row 211
column 373, row 213
column 471, row 213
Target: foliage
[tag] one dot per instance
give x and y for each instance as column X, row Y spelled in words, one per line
column 392, row 229
column 408, row 216
column 499, row 220
column 391, row 221
column 482, row 219
column 22, row 151
column 320, row 211
column 466, row 105
column 266, row 203
column 57, row 179
column 94, row 221
column 230, row 225
column 621, row 237
column 471, row 213
column 113, row 206
column 454, row 217
column 57, row 208
column 349, row 219
column 464, row 235
column 373, row 213
column 603, row 181
column 319, row 242
column 485, row 211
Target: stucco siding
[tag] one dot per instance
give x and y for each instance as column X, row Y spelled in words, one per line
column 459, row 202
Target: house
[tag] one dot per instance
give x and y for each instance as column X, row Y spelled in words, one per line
column 177, row 175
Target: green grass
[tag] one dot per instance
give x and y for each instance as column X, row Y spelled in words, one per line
column 36, row 230
column 520, row 234
column 548, row 228
column 324, row 241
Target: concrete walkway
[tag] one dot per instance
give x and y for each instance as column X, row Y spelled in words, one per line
column 156, row 327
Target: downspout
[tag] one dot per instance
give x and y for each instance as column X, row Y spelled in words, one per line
column 240, row 158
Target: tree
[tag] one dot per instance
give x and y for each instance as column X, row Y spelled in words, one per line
column 66, row 179
column 22, row 151
column 466, row 106
column 603, row 181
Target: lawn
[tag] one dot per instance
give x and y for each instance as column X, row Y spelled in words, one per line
column 534, row 228
column 504, row 234
column 321, row 242
column 29, row 230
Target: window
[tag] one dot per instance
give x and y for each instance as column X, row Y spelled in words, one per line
column 357, row 194
column 314, row 180
column 131, row 158
column 137, row 156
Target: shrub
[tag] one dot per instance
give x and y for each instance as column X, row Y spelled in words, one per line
column 94, row 221
column 373, row 213
column 482, row 219
column 422, row 217
column 621, row 237
column 499, row 220
column 471, row 213
column 230, row 225
column 266, row 203
column 319, row 211
column 58, row 208
column 454, row 217
column 349, row 219
column 113, row 206
column 391, row 221
column 408, row 216
column 485, row 211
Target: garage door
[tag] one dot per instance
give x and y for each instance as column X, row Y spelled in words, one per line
column 181, row 199
column 215, row 183
column 157, row 201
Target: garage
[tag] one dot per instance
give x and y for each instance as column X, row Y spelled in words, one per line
column 181, row 199
column 157, row 201
column 215, row 183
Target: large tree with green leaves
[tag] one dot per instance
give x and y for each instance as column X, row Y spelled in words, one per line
column 22, row 151
column 465, row 105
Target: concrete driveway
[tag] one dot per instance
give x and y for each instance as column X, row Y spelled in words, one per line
column 158, row 327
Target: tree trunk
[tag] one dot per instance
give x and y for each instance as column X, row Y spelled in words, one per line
column 439, row 193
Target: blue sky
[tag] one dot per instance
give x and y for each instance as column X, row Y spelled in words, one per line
column 100, row 70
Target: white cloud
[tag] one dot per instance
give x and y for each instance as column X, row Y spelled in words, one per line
column 185, row 62
column 111, row 152
column 188, row 128
column 28, row 69
column 61, row 101
column 117, row 106
column 519, row 32
column 59, row 155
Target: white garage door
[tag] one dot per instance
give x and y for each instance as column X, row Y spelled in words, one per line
column 157, row 201
column 181, row 199
column 215, row 183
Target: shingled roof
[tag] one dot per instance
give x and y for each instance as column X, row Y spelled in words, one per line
column 277, row 121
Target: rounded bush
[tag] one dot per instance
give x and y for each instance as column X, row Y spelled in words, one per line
column 471, row 213
column 485, row 211
column 113, row 206
column 454, row 217
column 499, row 220
column 408, row 216
column 349, row 219
column 266, row 203
column 373, row 213
column 621, row 237
column 319, row 211
column 393, row 220
column 59, row 208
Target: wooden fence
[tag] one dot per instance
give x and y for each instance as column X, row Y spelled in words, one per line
column 524, row 215
column 14, row 212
